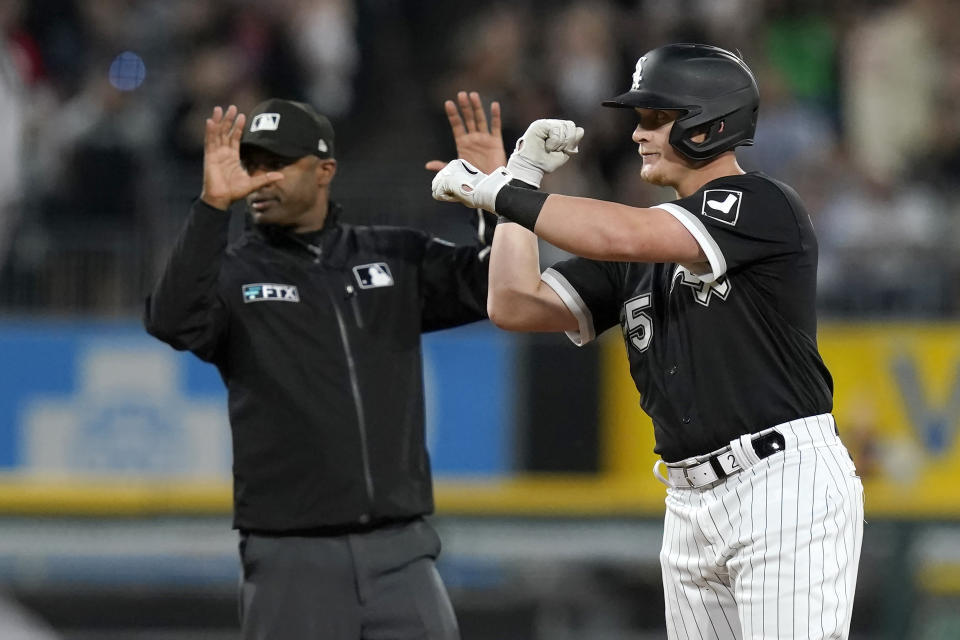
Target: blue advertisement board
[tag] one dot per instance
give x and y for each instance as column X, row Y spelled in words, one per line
column 107, row 399
column 469, row 376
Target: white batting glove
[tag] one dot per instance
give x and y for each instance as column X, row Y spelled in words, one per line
column 462, row 182
column 545, row 147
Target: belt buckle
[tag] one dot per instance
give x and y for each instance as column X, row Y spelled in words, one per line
column 702, row 476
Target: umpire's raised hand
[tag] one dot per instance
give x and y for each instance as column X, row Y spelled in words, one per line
column 224, row 179
column 479, row 143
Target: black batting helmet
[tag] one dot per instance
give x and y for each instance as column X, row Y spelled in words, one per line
column 714, row 88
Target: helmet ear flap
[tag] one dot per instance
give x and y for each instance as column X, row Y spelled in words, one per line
column 699, row 142
column 716, row 129
column 722, row 134
column 707, row 131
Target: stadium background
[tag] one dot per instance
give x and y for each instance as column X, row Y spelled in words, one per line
column 114, row 450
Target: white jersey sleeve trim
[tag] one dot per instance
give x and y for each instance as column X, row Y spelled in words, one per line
column 693, row 224
column 555, row 280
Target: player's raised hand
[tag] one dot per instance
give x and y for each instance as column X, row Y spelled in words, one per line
column 224, row 179
column 460, row 181
column 543, row 148
column 479, row 143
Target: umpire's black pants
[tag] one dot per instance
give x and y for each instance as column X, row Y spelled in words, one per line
column 378, row 585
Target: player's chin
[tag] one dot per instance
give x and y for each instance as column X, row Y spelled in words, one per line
column 651, row 173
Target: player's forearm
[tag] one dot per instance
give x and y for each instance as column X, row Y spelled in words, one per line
column 514, row 273
column 515, row 296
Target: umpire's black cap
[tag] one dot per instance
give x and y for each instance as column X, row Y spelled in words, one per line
column 290, row 129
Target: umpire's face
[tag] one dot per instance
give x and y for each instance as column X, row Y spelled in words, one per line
column 300, row 199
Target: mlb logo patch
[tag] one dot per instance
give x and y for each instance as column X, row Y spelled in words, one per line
column 265, row 122
column 264, row 291
column 722, row 205
column 371, row 276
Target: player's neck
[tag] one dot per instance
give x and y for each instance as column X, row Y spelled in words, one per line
column 721, row 166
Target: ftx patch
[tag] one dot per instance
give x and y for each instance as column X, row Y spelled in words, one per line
column 266, row 291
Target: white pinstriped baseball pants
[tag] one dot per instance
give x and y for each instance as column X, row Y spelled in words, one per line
column 771, row 552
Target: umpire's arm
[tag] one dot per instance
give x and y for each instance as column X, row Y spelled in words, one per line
column 184, row 309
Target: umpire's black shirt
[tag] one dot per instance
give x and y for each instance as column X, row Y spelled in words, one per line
column 720, row 354
column 317, row 338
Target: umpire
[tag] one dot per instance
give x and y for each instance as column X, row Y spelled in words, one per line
column 315, row 328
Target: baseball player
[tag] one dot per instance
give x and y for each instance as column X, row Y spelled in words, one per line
column 714, row 293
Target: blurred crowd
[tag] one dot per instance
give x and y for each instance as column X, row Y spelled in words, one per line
column 102, row 154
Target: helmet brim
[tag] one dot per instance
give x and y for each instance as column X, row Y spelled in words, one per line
column 645, row 100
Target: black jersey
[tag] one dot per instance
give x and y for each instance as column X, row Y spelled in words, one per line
column 317, row 338
column 716, row 355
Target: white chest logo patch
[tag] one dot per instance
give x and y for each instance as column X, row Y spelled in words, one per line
column 722, row 205
column 702, row 291
column 265, row 122
column 265, row 291
column 371, row 276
